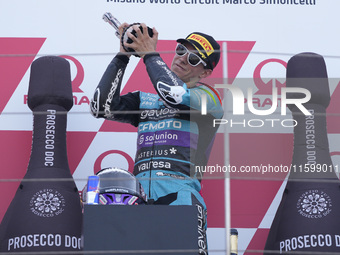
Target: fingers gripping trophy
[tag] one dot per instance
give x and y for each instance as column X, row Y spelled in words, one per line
column 45, row 213
column 110, row 19
column 307, row 219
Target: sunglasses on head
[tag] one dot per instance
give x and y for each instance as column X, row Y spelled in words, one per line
column 193, row 59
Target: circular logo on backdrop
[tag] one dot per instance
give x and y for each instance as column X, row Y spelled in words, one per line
column 47, row 203
column 314, row 204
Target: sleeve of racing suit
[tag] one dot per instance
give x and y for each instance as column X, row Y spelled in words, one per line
column 107, row 102
column 176, row 93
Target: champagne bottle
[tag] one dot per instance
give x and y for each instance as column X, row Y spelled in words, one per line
column 45, row 213
column 307, row 219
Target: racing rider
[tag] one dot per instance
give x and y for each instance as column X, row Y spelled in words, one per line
column 173, row 134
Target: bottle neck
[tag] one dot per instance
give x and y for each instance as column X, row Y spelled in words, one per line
column 311, row 157
column 49, row 138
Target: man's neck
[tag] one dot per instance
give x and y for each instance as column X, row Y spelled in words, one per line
column 192, row 84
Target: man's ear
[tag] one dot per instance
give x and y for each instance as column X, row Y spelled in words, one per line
column 205, row 73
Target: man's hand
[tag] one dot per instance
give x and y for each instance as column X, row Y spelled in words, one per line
column 142, row 43
column 121, row 30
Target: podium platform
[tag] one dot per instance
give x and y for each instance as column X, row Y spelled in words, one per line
column 141, row 229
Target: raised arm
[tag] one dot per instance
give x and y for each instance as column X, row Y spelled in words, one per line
column 107, row 102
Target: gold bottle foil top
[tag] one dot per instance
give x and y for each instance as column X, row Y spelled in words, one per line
column 233, row 241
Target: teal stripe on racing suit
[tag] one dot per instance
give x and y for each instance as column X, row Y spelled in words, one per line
column 173, row 135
